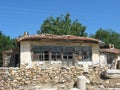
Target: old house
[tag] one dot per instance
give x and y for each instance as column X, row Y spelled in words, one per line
column 107, row 55
column 65, row 49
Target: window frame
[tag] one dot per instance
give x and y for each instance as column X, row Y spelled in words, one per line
column 57, row 53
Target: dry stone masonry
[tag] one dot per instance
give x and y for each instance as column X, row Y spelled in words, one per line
column 64, row 78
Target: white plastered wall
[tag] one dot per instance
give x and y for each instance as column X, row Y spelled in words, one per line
column 25, row 53
column 103, row 59
column 95, row 54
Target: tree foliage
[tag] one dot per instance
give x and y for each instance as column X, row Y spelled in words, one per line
column 62, row 25
column 6, row 44
column 108, row 36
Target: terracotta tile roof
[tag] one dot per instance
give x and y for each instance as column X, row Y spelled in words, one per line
column 110, row 50
column 56, row 37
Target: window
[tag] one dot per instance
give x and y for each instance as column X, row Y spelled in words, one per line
column 67, row 55
column 78, row 53
column 56, row 53
column 86, row 53
column 63, row 53
column 40, row 53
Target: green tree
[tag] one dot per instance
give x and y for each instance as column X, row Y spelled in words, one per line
column 6, row 44
column 62, row 25
column 108, row 36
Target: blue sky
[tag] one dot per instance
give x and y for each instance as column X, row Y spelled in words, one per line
column 17, row 16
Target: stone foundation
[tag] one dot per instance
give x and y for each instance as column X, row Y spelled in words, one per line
column 60, row 77
column 14, row 78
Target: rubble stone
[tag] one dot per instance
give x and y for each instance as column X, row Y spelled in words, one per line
column 62, row 77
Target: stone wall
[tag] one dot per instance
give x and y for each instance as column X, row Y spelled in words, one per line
column 16, row 78
column 20, row 78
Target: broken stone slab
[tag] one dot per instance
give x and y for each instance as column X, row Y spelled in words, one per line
column 112, row 73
